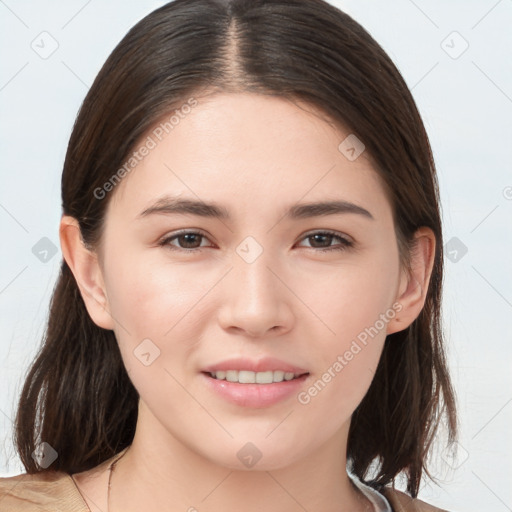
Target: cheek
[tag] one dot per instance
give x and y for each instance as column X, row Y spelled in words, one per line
column 154, row 307
column 350, row 298
column 334, row 394
column 355, row 306
column 347, row 358
column 151, row 297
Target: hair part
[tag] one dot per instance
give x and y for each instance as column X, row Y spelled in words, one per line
column 77, row 395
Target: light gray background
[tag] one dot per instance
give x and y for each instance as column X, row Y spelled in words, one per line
column 465, row 98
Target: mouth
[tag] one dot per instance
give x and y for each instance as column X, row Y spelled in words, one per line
column 256, row 383
column 250, row 377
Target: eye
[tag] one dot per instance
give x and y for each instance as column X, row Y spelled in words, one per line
column 324, row 238
column 188, row 241
column 191, row 241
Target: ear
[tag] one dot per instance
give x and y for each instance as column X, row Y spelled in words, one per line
column 413, row 286
column 86, row 269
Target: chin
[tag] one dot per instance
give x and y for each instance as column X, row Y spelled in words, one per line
column 257, row 455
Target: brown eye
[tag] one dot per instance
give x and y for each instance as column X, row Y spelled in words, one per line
column 322, row 240
column 186, row 240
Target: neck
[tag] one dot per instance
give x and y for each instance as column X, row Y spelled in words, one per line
column 168, row 475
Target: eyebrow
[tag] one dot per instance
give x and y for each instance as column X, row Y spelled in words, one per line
column 173, row 205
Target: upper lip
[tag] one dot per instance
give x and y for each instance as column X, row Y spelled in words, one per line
column 255, row 365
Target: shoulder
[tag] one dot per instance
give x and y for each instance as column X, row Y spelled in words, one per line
column 45, row 491
column 401, row 502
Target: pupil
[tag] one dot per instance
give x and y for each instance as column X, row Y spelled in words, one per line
column 189, row 238
column 318, row 237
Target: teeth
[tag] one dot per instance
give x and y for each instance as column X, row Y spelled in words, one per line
column 248, row 377
column 232, row 376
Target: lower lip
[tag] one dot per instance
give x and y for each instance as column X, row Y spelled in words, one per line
column 255, row 395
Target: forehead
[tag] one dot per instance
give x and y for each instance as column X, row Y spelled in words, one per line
column 250, row 152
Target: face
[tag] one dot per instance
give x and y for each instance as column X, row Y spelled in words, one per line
column 267, row 286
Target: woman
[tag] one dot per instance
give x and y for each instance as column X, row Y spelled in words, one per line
column 248, row 310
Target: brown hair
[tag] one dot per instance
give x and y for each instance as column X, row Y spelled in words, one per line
column 77, row 395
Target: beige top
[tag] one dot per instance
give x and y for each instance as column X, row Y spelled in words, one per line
column 56, row 491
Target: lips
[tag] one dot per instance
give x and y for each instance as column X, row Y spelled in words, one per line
column 254, row 383
column 255, row 395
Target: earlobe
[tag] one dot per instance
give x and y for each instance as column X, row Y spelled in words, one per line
column 413, row 287
column 87, row 272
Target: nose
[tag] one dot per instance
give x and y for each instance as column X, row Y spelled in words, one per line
column 256, row 300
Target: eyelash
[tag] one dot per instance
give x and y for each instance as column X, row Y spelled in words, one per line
column 345, row 243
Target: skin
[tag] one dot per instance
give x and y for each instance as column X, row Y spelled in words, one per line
column 256, row 155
